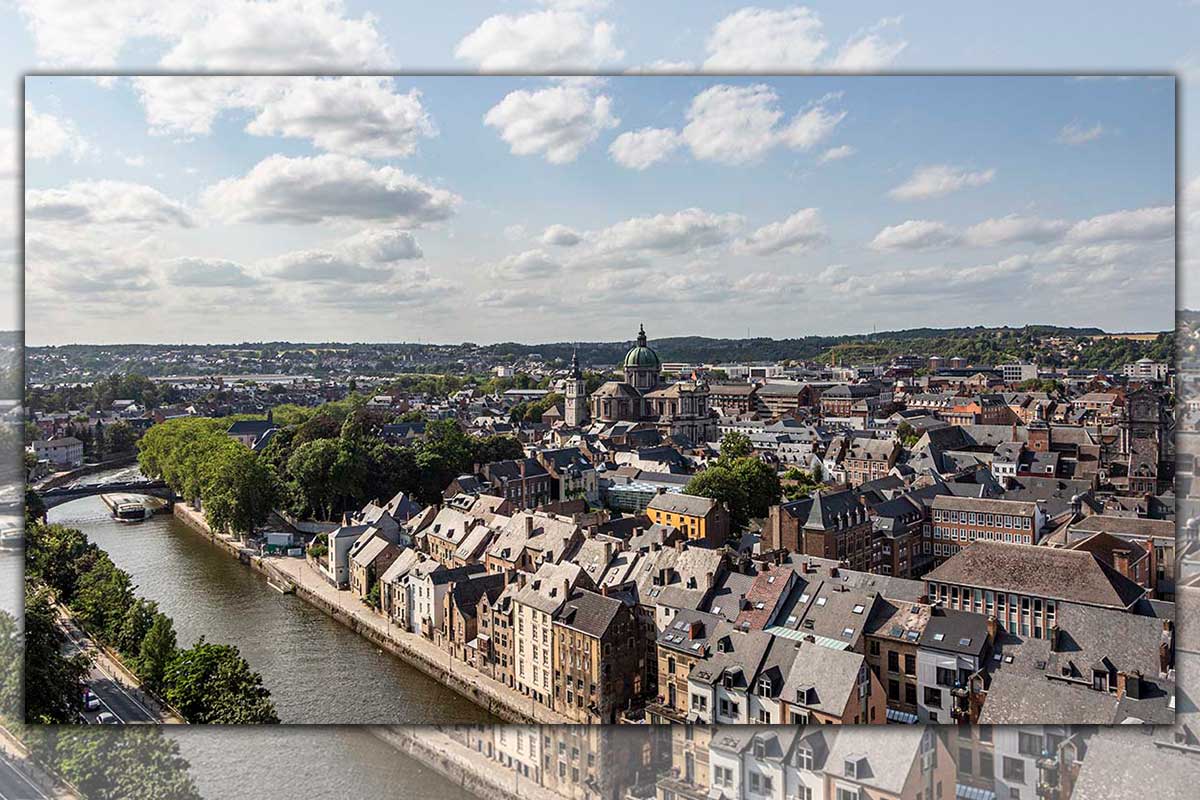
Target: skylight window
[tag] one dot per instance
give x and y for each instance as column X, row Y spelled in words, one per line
column 937, row 637
column 820, row 601
column 859, row 609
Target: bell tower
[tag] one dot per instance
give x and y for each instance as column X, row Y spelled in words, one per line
column 575, row 407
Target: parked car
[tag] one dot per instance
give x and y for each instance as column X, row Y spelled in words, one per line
column 107, row 718
column 90, row 701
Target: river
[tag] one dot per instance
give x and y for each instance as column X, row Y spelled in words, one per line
column 295, row 762
column 317, row 670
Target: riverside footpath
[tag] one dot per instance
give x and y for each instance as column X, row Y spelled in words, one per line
column 297, row 575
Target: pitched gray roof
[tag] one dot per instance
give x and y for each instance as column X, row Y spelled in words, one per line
column 1068, row 575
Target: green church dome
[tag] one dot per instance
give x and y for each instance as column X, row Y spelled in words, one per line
column 640, row 355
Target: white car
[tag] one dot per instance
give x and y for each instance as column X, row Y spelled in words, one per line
column 90, row 701
column 107, row 718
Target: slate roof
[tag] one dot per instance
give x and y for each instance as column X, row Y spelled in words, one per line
column 1054, row 573
column 589, row 612
column 832, row 675
column 688, row 504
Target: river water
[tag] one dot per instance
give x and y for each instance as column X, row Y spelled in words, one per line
column 317, row 670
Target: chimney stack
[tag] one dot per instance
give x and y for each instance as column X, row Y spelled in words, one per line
column 1121, row 562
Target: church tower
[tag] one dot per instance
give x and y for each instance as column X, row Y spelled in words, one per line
column 575, row 411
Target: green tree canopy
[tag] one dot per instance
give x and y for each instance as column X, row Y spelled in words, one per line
column 213, row 684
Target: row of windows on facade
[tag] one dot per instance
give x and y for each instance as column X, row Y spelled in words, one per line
column 995, row 520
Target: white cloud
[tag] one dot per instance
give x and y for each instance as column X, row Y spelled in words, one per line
column 514, row 233
column 241, row 35
column 363, row 116
column 557, row 122
column 1014, row 228
column 518, row 298
column 287, row 34
column 758, row 39
column 837, row 153
column 9, row 160
column 542, row 40
column 561, row 236
column 980, row 282
column 682, row 232
column 644, row 147
column 740, row 124
column 1075, row 133
column 1141, row 223
column 870, row 49
column 526, row 266
column 207, row 273
column 326, row 188
column 800, row 232
column 106, row 203
column 662, row 66
column 134, row 161
column 939, row 180
column 48, row 136
column 914, row 234
column 810, row 127
column 321, row 266
column 382, row 245
column 356, row 116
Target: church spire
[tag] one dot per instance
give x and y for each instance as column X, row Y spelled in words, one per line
column 641, row 340
column 575, row 364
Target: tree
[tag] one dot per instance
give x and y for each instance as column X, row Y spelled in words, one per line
column 134, row 626
column 102, row 599
column 53, row 681
column 52, row 556
column 212, row 683
column 907, row 434
column 310, row 467
column 735, row 445
column 745, row 485
column 136, row 761
column 238, row 491
column 120, row 437
column 156, row 653
column 11, row 657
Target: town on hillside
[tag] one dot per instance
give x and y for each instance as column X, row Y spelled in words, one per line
column 924, row 538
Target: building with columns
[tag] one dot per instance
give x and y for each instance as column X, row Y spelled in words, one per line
column 677, row 409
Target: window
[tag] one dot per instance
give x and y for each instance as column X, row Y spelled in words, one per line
column 946, row 677
column 1014, row 770
column 933, row 697
column 965, row 759
column 847, row 794
column 722, row 776
column 986, row 766
column 1029, row 744
column 804, row 758
column 894, row 691
column 893, row 661
column 910, row 694
column 910, row 664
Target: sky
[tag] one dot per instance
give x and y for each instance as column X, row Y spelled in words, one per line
column 451, row 209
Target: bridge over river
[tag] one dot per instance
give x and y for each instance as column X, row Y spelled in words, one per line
column 65, row 494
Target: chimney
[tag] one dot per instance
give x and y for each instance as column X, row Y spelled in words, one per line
column 679, row 545
column 528, row 524
column 1129, row 684
column 1121, row 562
column 1054, row 635
column 993, row 628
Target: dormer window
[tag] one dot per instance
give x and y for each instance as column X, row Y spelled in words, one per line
column 764, row 687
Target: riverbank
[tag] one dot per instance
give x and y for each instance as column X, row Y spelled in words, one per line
column 471, row 771
column 302, row 579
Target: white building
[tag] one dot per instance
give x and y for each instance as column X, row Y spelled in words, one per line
column 63, row 453
column 1146, row 370
column 1018, row 372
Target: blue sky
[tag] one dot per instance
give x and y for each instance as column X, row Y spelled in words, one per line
column 1052, row 153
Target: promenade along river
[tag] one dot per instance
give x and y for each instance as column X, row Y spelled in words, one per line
column 317, row 670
